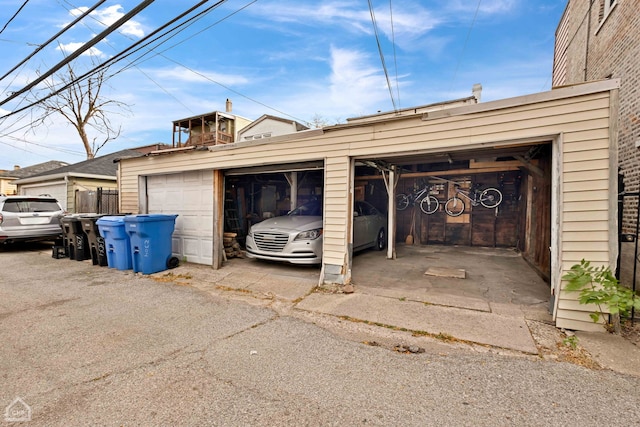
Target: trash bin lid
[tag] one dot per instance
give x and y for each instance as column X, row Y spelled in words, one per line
column 150, row 217
column 111, row 220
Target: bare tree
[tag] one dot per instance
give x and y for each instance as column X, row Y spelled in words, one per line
column 318, row 121
column 82, row 105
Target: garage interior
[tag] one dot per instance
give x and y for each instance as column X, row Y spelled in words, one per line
column 520, row 225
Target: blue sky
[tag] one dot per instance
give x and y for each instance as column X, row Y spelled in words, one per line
column 282, row 57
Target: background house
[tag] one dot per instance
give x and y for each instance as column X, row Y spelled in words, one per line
column 8, row 177
column 214, row 128
column 268, row 126
column 75, row 185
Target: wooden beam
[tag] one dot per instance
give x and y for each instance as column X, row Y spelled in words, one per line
column 531, row 167
column 218, row 219
column 445, row 173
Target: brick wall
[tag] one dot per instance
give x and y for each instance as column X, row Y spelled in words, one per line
column 613, row 51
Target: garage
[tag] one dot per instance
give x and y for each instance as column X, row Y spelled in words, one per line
column 551, row 156
column 57, row 190
column 190, row 195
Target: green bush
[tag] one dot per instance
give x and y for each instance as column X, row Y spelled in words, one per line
column 598, row 285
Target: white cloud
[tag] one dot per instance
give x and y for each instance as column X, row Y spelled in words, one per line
column 73, row 46
column 184, row 75
column 488, row 7
column 109, row 16
column 355, row 85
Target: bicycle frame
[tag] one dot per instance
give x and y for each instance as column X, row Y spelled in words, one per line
column 475, row 201
column 417, row 196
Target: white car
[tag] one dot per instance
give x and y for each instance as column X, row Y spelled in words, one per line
column 29, row 218
column 297, row 237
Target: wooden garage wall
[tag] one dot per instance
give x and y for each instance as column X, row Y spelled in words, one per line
column 578, row 116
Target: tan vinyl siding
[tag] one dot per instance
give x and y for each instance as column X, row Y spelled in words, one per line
column 578, row 117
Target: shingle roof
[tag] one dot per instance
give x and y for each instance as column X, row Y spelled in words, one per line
column 32, row 170
column 103, row 165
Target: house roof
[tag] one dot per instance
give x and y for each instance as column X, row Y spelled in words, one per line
column 33, row 169
column 103, row 166
column 299, row 126
column 470, row 100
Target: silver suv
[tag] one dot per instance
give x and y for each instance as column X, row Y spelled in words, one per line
column 29, row 218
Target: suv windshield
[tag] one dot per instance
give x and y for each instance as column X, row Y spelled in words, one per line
column 30, row 205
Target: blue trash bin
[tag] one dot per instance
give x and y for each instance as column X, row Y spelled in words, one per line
column 116, row 239
column 151, row 242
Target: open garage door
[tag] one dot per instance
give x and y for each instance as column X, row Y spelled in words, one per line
column 517, row 179
column 190, row 195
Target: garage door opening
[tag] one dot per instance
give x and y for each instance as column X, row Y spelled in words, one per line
column 252, row 198
column 513, row 225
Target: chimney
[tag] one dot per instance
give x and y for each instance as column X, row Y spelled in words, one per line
column 228, row 106
column 476, row 90
column 16, row 167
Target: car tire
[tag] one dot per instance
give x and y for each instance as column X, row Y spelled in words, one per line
column 381, row 240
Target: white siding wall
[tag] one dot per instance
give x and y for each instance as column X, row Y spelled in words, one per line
column 578, row 117
column 275, row 127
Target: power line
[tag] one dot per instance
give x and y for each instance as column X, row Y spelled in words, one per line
column 14, row 16
column 116, row 58
column 464, row 47
column 144, row 4
column 122, row 55
column 395, row 58
column 384, row 65
column 58, row 34
column 137, row 68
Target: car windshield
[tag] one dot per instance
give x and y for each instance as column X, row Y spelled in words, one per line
column 30, row 205
column 308, row 209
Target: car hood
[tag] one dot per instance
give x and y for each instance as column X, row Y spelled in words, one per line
column 288, row 223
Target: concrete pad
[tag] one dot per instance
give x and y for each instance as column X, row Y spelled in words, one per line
column 455, row 273
column 468, row 325
column 284, row 287
column 611, row 351
column 429, row 296
column 241, row 280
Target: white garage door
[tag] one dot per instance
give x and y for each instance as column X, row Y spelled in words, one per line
column 57, row 190
column 190, row 195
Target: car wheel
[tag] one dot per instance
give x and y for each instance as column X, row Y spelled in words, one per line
column 381, row 241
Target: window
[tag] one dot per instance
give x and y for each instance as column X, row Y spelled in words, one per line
column 606, row 6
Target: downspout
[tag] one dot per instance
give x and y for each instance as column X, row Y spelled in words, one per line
column 586, row 47
column 66, row 192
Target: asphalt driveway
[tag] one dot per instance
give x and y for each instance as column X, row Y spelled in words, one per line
column 88, row 345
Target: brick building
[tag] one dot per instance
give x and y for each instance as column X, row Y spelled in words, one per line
column 600, row 39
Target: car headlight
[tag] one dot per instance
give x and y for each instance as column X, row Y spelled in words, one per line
column 309, row 234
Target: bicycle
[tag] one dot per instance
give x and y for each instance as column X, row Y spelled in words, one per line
column 428, row 202
column 489, row 198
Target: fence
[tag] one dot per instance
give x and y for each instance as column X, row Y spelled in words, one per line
column 99, row 201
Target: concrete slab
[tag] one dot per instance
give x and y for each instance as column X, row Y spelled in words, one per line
column 284, row 287
column 456, row 273
column 611, row 351
column 468, row 325
column 430, row 296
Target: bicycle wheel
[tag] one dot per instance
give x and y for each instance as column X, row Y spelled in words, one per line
column 402, row 201
column 454, row 206
column 429, row 204
column 490, row 198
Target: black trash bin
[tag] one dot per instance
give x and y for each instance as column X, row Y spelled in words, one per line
column 96, row 245
column 75, row 241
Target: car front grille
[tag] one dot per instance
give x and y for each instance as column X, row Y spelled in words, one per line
column 271, row 242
